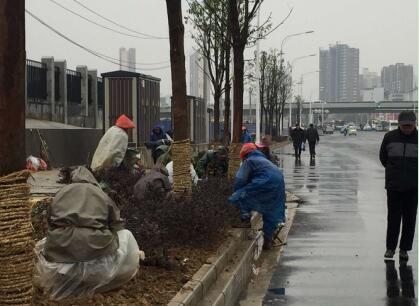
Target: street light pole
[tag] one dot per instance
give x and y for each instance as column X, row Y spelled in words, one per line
column 250, row 104
column 301, row 84
column 291, row 66
column 281, row 61
column 257, row 110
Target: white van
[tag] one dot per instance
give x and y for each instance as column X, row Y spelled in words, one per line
column 393, row 125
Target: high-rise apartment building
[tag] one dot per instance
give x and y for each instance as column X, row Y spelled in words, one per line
column 127, row 59
column 339, row 74
column 369, row 79
column 397, row 79
column 198, row 78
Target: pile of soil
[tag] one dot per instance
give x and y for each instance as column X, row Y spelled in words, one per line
column 177, row 234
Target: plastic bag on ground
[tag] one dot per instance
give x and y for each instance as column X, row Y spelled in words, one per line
column 35, row 164
column 63, row 280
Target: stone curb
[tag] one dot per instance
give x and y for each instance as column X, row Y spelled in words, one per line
column 194, row 290
column 241, row 275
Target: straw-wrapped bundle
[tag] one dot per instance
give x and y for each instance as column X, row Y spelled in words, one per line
column 16, row 243
column 234, row 159
column 181, row 155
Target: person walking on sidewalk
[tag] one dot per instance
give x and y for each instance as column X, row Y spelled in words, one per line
column 259, row 186
column 245, row 137
column 312, row 137
column 298, row 138
column 399, row 156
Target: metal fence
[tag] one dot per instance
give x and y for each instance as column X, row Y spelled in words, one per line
column 89, row 90
column 73, row 86
column 57, row 83
column 36, row 74
column 100, row 101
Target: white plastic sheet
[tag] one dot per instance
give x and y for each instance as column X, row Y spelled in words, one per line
column 65, row 280
column 194, row 176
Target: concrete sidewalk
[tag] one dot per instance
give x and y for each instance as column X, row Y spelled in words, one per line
column 45, row 182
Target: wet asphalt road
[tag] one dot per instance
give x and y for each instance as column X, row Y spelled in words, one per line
column 335, row 248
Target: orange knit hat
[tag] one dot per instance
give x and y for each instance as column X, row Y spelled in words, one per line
column 124, row 122
column 246, row 149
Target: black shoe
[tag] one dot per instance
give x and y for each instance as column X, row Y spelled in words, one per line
column 242, row 224
column 267, row 245
column 403, row 256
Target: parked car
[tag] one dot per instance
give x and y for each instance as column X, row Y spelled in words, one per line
column 328, row 130
column 351, row 130
column 367, row 127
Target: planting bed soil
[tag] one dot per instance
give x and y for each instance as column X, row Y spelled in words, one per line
column 151, row 286
column 178, row 235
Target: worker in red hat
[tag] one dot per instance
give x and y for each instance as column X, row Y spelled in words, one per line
column 259, row 186
column 265, row 149
column 112, row 147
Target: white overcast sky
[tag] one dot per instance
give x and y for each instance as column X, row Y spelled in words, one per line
column 385, row 31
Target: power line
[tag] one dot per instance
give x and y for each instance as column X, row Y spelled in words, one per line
column 97, row 54
column 98, row 24
column 116, row 23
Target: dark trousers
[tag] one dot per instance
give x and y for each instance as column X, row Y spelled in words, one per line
column 402, row 207
column 312, row 146
column 297, row 149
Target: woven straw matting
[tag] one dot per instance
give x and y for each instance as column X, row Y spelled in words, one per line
column 15, row 178
column 181, row 155
column 16, row 242
column 234, row 159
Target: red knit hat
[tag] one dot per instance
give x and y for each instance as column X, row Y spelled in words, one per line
column 261, row 145
column 246, row 149
column 124, row 122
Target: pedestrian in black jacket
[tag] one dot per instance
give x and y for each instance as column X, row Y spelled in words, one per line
column 298, row 138
column 312, row 137
column 399, row 156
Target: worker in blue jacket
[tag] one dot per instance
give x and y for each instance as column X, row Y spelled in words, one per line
column 259, row 186
column 245, row 137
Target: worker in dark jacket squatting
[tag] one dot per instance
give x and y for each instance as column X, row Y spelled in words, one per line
column 399, row 156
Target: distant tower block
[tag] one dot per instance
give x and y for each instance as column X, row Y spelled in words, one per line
column 127, row 59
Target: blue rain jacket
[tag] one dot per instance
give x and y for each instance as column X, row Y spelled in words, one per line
column 259, row 186
column 157, row 136
column 246, row 137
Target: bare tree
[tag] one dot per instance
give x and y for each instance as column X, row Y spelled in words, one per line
column 209, row 19
column 227, row 90
column 274, row 90
column 12, row 85
column 181, row 148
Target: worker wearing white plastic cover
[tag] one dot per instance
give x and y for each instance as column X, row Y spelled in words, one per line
column 112, row 147
column 86, row 249
column 194, row 176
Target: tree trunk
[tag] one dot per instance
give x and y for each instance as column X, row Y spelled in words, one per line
column 12, row 86
column 177, row 62
column 217, row 96
column 238, row 93
column 227, row 97
column 181, row 150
